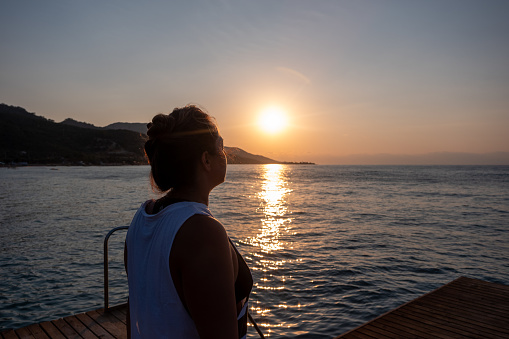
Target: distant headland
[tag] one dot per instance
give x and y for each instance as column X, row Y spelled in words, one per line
column 26, row 138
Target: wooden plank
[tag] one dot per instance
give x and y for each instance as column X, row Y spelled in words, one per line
column 119, row 315
column 109, row 322
column 462, row 317
column 120, row 312
column 472, row 313
column 433, row 317
column 467, row 314
column 428, row 324
column 93, row 326
column 373, row 332
column 9, row 334
column 66, row 329
column 81, row 329
column 466, row 320
column 37, row 332
column 460, row 325
column 482, row 285
column 381, row 332
column 418, row 328
column 461, row 300
column 122, row 308
column 52, row 332
column 462, row 297
column 392, row 332
column 400, row 329
column 495, row 307
column 487, row 291
column 357, row 335
column 24, row 333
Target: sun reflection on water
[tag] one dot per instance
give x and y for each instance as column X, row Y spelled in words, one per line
column 274, row 208
column 272, row 239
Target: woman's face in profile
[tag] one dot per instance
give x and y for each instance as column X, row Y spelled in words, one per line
column 219, row 161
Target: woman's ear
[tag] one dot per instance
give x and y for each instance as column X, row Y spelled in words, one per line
column 205, row 161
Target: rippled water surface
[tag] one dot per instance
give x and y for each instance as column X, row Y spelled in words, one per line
column 330, row 247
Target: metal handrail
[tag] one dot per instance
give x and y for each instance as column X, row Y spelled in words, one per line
column 106, row 291
column 255, row 325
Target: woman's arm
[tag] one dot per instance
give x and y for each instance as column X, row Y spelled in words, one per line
column 203, row 273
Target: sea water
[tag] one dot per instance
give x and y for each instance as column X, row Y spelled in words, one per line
column 330, row 247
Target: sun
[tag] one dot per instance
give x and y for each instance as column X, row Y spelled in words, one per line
column 272, row 120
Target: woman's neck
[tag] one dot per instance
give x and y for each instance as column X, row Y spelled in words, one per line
column 188, row 194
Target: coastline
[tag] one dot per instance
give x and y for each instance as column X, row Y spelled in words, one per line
column 134, row 163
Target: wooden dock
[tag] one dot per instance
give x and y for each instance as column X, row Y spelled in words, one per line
column 89, row 325
column 463, row 308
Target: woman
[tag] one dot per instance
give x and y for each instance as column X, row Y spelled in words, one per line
column 186, row 279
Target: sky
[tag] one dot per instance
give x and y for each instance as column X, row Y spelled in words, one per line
column 351, row 77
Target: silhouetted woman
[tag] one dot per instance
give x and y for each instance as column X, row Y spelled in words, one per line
column 186, row 279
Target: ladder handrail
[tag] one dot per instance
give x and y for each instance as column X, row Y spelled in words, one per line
column 106, row 280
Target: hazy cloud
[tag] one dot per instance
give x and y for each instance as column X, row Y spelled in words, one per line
column 294, row 74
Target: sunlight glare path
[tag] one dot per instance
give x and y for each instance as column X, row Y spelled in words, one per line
column 275, row 210
column 273, row 206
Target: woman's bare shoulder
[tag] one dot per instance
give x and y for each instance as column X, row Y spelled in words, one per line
column 202, row 228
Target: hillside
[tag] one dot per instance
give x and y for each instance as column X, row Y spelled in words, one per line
column 129, row 126
column 239, row 156
column 26, row 137
column 72, row 122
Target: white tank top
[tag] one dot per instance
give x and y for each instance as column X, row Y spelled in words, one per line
column 154, row 305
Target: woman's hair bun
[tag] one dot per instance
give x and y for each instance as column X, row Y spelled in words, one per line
column 161, row 126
